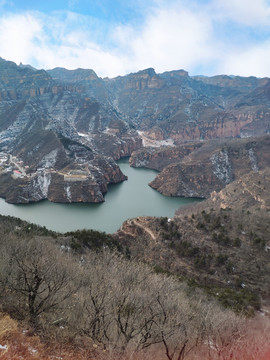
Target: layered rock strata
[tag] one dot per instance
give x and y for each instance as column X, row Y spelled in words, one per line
column 206, row 168
column 58, row 121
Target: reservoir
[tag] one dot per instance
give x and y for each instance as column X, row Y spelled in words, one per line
column 128, row 199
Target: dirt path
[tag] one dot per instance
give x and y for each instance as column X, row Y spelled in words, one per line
column 149, row 231
column 135, row 222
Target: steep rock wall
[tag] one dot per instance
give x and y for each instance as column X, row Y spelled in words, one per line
column 212, row 167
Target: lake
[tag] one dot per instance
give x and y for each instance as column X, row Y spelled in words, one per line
column 128, row 199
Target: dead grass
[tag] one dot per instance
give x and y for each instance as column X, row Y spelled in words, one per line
column 18, row 343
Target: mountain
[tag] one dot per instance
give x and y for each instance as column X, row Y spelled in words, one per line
column 212, row 242
column 155, row 281
column 62, row 130
column 56, row 142
column 198, row 169
column 177, row 106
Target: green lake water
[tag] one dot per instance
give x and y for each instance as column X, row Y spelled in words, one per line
column 128, row 199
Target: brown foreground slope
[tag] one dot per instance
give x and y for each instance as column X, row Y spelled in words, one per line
column 89, row 295
column 221, row 242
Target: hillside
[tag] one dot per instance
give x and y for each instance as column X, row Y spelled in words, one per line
column 74, row 296
column 197, row 169
column 212, row 242
column 62, row 130
column 195, row 286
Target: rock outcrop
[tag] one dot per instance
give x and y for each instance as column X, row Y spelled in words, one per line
column 59, row 143
column 250, row 191
column 58, row 121
column 159, row 158
column 212, row 166
column 69, row 173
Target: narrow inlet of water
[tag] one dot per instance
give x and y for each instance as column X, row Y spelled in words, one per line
column 128, row 199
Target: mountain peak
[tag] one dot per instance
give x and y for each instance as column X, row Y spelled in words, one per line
column 76, row 75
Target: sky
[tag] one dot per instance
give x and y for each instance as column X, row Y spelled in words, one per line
column 117, row 37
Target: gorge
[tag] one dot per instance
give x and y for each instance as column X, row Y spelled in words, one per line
column 128, row 199
column 61, row 131
column 65, row 140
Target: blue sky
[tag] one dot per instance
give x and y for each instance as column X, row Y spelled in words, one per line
column 116, row 37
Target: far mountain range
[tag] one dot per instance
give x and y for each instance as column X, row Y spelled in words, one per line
column 61, row 131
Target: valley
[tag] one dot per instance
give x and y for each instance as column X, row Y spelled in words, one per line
column 68, row 127
column 131, row 198
column 151, row 273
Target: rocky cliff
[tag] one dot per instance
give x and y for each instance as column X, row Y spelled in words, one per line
column 250, row 191
column 175, row 105
column 58, row 121
column 212, row 166
column 159, row 158
column 57, row 143
column 59, row 169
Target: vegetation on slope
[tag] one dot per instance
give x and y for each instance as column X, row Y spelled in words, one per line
column 100, row 304
column 223, row 251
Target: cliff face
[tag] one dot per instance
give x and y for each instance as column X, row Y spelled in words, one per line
column 175, row 105
column 59, row 121
column 58, row 187
column 159, row 158
column 58, row 144
column 60, row 170
column 212, row 166
column 250, row 191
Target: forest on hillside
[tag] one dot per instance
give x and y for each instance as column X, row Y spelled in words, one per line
column 81, row 290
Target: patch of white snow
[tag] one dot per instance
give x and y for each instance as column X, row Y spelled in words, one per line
column 43, row 182
column 49, row 160
column 68, row 192
column 253, row 160
column 222, row 166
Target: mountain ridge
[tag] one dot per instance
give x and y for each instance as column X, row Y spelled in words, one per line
column 103, row 120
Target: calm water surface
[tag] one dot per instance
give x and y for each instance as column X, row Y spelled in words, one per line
column 129, row 199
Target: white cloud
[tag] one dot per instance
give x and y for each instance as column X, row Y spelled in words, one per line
column 170, row 39
column 253, row 61
column 18, row 34
column 27, row 38
column 175, row 34
column 246, row 12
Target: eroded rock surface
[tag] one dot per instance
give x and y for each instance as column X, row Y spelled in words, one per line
column 55, row 122
column 212, row 166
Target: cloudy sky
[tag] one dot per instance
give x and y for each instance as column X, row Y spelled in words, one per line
column 116, row 37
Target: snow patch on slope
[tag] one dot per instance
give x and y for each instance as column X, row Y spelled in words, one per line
column 253, row 160
column 49, row 160
column 222, row 166
column 41, row 184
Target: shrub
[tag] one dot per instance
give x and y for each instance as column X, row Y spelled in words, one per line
column 237, row 242
column 221, row 259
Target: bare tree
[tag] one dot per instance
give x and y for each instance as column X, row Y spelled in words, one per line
column 128, row 309
column 176, row 325
column 38, row 276
column 255, row 343
column 114, row 301
column 224, row 331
